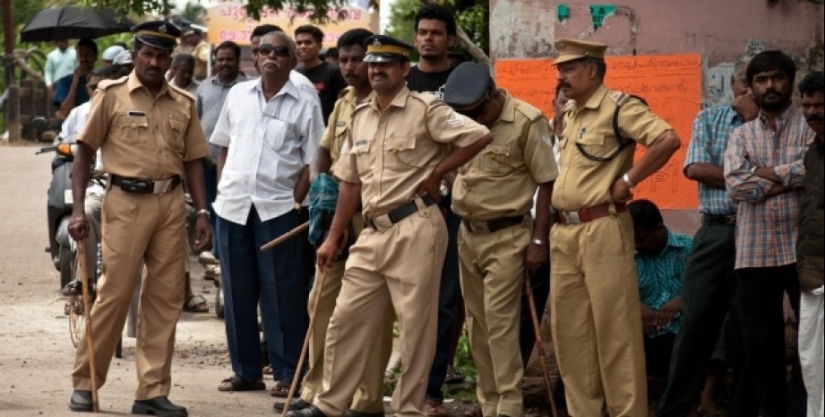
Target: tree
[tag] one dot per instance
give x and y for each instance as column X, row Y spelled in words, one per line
column 193, row 12
column 471, row 16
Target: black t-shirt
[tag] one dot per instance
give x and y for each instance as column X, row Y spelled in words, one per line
column 328, row 82
column 427, row 82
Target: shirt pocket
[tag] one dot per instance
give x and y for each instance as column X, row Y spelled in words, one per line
column 592, row 146
column 401, row 153
column 133, row 130
column 500, row 160
column 275, row 134
column 176, row 134
column 361, row 152
column 340, row 138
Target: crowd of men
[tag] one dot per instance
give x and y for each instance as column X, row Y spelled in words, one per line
column 452, row 195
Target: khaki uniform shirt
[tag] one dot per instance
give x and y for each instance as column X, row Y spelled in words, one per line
column 335, row 134
column 141, row 136
column 391, row 153
column 500, row 181
column 584, row 183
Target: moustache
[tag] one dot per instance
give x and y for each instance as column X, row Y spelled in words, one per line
column 275, row 63
column 563, row 85
column 815, row 119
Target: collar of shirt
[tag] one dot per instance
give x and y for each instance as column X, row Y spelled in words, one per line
column 789, row 113
column 216, row 81
column 288, row 88
column 351, row 99
column 733, row 116
column 508, row 111
column 596, row 99
column 400, row 99
column 133, row 83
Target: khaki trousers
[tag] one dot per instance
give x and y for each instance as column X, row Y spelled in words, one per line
column 596, row 318
column 400, row 265
column 369, row 398
column 492, row 275
column 138, row 228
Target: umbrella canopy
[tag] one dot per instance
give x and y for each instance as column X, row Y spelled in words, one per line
column 72, row 22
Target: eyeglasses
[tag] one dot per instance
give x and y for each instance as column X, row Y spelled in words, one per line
column 280, row 50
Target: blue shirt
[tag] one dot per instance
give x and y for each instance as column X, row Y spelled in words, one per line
column 711, row 131
column 62, row 87
column 660, row 276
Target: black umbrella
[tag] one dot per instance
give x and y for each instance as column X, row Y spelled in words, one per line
column 72, row 22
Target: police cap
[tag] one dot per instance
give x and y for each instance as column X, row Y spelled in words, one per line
column 157, row 33
column 111, row 52
column 123, row 58
column 382, row 48
column 468, row 87
column 573, row 49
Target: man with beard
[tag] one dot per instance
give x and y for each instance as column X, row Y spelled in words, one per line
column 149, row 137
column 268, row 133
column 325, row 76
column 764, row 172
column 209, row 98
column 70, row 90
column 368, row 399
column 394, row 165
column 810, row 246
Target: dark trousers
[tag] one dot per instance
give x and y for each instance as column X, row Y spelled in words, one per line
column 761, row 292
column 210, row 181
column 658, row 354
column 449, row 298
column 708, row 295
column 276, row 281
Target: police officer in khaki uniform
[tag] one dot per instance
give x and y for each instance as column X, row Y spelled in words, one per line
column 596, row 319
column 498, row 240
column 150, row 137
column 368, row 400
column 399, row 151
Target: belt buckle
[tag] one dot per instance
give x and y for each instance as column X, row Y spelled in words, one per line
column 730, row 220
column 572, row 217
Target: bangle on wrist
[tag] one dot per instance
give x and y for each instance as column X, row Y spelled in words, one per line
column 205, row 212
column 538, row 242
column 626, row 179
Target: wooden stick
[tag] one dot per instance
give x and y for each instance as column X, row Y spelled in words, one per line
column 305, row 349
column 87, row 311
column 283, row 238
column 540, row 343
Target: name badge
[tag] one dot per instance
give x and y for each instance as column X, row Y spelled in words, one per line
column 135, row 113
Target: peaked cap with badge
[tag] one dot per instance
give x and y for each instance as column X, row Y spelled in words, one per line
column 382, row 48
column 573, row 49
column 468, row 88
column 157, row 34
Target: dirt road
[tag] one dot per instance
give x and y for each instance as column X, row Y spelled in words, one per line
column 36, row 355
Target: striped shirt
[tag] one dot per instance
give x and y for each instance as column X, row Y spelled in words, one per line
column 711, row 131
column 766, row 228
column 660, row 276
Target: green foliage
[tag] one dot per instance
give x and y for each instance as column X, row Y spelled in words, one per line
column 194, row 12
column 471, row 15
column 464, row 358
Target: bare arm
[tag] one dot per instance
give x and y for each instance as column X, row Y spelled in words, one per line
column 222, row 160
column 302, row 188
column 537, row 254
column 197, row 190
column 69, row 103
column 349, row 198
column 656, row 157
column 455, row 159
column 323, row 160
column 78, row 224
column 708, row 174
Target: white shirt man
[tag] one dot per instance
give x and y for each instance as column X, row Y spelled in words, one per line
column 59, row 63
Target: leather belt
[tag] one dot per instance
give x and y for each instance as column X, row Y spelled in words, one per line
column 491, row 226
column 589, row 214
column 385, row 221
column 724, row 219
column 137, row 186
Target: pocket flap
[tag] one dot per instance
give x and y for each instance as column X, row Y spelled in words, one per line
column 401, row 143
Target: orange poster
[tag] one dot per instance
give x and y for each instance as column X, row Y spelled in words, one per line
column 229, row 22
column 671, row 85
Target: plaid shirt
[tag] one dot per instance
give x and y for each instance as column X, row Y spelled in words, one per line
column 766, row 228
column 711, row 131
column 660, row 276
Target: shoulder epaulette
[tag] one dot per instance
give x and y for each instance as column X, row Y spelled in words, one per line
column 426, row 98
column 528, row 110
column 344, row 92
column 182, row 92
column 103, row 85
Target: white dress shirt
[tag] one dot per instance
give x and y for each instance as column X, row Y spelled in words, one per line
column 59, row 64
column 269, row 144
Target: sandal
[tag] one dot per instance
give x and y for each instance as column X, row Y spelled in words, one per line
column 235, row 383
column 196, row 304
column 281, row 390
column 435, row 408
column 454, row 377
column 268, row 370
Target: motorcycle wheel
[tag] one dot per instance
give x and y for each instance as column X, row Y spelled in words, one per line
column 77, row 320
column 68, row 266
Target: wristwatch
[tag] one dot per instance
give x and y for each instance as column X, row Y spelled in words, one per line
column 205, row 212
column 297, row 207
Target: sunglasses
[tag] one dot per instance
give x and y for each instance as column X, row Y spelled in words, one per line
column 280, row 50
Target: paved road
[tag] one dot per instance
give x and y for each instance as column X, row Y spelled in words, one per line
column 36, row 355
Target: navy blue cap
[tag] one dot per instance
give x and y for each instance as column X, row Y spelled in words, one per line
column 382, row 48
column 157, row 33
column 467, row 87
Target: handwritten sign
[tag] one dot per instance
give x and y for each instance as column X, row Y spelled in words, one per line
column 671, row 85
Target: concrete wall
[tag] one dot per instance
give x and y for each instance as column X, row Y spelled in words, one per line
column 723, row 31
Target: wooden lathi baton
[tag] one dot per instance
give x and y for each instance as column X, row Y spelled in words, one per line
column 284, row 237
column 539, row 342
column 87, row 311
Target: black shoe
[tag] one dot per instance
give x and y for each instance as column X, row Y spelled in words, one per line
column 81, row 401
column 311, row 411
column 158, row 406
column 353, row 413
column 74, row 287
column 297, row 404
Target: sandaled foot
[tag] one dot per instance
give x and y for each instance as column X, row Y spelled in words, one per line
column 74, row 287
column 196, row 304
column 454, row 377
column 435, row 408
column 280, row 390
column 235, row 383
